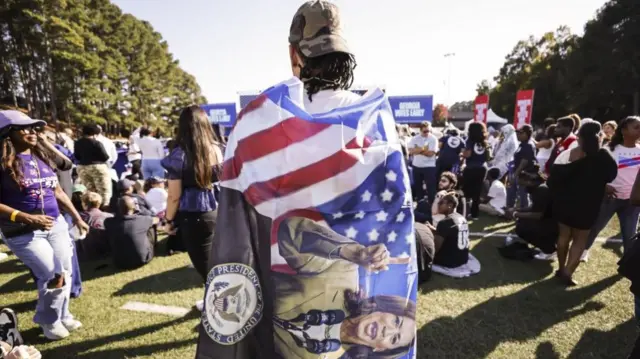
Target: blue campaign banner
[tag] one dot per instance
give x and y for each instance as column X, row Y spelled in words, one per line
column 221, row 113
column 412, row 109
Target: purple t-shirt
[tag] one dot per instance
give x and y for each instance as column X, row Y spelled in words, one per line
column 28, row 197
column 193, row 198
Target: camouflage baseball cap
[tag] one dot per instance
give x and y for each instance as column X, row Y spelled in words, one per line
column 316, row 29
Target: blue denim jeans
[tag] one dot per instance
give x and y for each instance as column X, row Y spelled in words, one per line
column 515, row 191
column 627, row 215
column 152, row 168
column 48, row 253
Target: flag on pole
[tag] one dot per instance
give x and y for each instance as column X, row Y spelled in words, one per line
column 314, row 253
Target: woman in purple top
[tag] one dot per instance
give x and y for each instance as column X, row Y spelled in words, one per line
column 191, row 173
column 32, row 225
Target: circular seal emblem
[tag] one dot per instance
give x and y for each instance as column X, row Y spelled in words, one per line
column 453, row 142
column 478, row 149
column 233, row 303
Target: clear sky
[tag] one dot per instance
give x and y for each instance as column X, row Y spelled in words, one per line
column 233, row 46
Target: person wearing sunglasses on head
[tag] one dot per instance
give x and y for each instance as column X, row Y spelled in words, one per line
column 32, row 225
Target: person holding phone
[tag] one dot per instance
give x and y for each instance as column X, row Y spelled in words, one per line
column 31, row 222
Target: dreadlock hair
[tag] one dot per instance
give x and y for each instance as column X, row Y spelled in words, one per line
column 617, row 137
column 12, row 163
column 331, row 71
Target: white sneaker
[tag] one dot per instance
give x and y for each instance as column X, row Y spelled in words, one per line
column 546, row 257
column 585, row 256
column 3, row 256
column 55, row 331
column 200, row 305
column 72, row 324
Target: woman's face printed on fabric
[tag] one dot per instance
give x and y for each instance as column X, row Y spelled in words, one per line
column 384, row 331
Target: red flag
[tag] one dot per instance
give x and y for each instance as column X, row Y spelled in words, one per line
column 524, row 108
column 480, row 109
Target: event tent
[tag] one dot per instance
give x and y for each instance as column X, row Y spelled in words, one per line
column 493, row 118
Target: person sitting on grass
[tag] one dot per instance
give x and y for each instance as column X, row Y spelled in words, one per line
column 95, row 245
column 131, row 234
column 496, row 200
column 447, row 183
column 534, row 225
column 156, row 195
column 451, row 239
column 127, row 188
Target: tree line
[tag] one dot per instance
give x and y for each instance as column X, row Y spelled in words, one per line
column 85, row 61
column 595, row 75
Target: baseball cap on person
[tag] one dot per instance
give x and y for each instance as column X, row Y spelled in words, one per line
column 12, row 118
column 125, row 184
column 316, row 29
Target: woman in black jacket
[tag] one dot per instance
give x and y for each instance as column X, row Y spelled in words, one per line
column 577, row 183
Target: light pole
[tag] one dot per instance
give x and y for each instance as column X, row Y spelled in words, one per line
column 449, row 56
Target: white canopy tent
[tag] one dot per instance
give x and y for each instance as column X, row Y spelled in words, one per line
column 493, row 118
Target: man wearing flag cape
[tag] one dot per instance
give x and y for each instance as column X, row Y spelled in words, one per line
column 314, row 256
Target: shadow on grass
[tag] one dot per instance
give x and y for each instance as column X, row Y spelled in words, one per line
column 616, row 343
column 614, row 247
column 76, row 350
column 496, row 270
column 546, row 351
column 22, row 282
column 499, row 320
column 21, row 307
column 12, row 266
column 166, row 282
column 155, row 350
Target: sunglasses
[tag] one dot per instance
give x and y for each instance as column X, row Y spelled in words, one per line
column 28, row 129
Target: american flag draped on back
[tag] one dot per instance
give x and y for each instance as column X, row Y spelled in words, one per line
column 314, row 252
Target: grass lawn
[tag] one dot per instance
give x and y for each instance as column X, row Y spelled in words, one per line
column 510, row 310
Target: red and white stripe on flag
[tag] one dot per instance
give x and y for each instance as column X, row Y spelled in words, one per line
column 524, row 108
column 481, row 108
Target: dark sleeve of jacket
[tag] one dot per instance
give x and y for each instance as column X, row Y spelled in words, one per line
column 145, row 207
column 242, row 237
column 609, row 165
column 62, row 163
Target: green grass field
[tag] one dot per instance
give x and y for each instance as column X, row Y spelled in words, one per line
column 510, row 310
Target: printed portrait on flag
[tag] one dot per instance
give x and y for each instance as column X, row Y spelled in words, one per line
column 334, row 188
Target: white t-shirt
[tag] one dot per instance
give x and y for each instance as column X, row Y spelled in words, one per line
column 134, row 150
column 498, row 194
column 327, row 100
column 431, row 142
column 110, row 147
column 157, row 198
column 151, row 148
column 628, row 160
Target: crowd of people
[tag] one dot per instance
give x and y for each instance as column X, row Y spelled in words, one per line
column 561, row 184
column 61, row 200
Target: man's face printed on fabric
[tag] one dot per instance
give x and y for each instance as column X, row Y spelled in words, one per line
column 383, row 331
